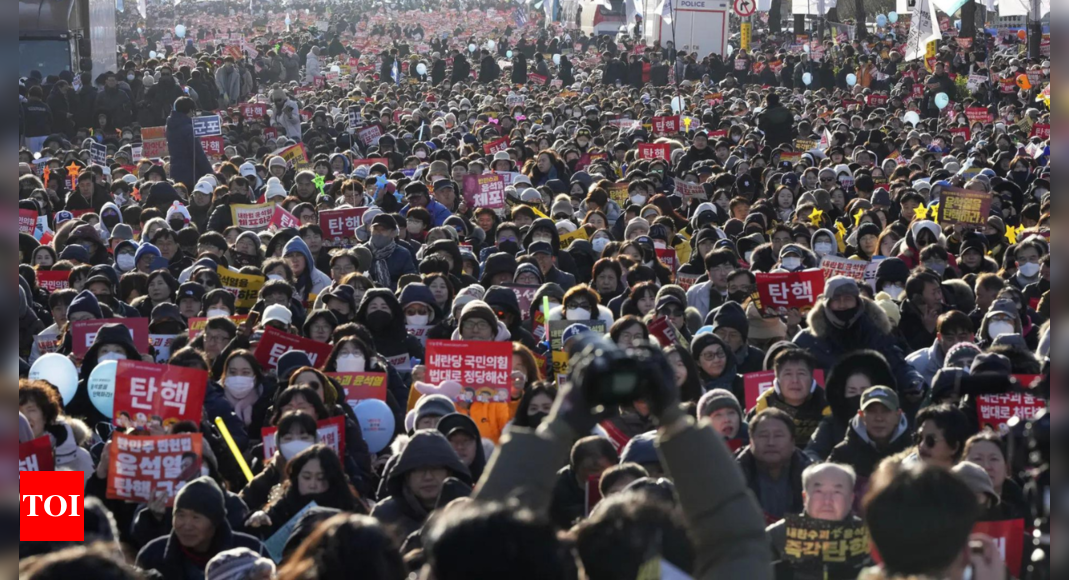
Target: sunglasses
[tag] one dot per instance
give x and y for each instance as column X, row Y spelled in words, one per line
column 929, row 441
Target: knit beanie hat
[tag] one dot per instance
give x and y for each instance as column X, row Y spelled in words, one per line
column 716, row 400
column 481, row 310
column 238, row 564
column 85, row 301
column 635, row 225
column 731, row 315
column 204, row 497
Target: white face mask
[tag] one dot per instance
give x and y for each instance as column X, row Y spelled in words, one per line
column 115, row 356
column 217, row 313
column 418, row 320
column 638, row 199
column 240, row 387
column 1029, row 270
column 351, row 363
column 599, row 244
column 747, row 257
column 823, row 249
column 792, row 263
column 293, row 448
column 999, row 327
column 546, row 239
column 274, row 277
column 895, row 292
column 578, row 314
column 125, row 262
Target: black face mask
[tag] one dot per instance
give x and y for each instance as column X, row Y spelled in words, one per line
column 510, row 247
column 738, row 297
column 379, row 320
column 342, row 318
column 167, row 328
column 847, row 316
column 536, row 419
column 110, row 222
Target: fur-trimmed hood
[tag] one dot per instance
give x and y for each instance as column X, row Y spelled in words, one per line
column 820, row 326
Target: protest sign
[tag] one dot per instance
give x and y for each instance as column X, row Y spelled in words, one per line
column 662, row 329
column 661, row 151
column 536, row 79
column 148, row 394
column 963, row 207
column 757, row 384
column 252, row 217
column 557, row 328
column 978, row 115
column 329, row 432
column 871, row 270
column 276, row 544
column 197, row 325
column 369, row 135
column 208, row 126
column 493, row 147
column 567, row 239
column 276, row 343
column 666, row 125
column 140, row 468
column 253, row 111
column 834, row 266
column 213, row 147
column 154, row 142
column 690, row 191
column 827, row 549
column 361, row 386
column 1041, row 130
column 1008, row 536
column 283, row 219
column 161, row 346
column 37, row 455
column 420, row 332
column 84, row 332
column 995, row 411
column 782, row 291
column 963, row 132
column 98, row 154
column 667, row 256
column 244, row 287
column 341, row 224
column 488, row 192
column 484, row 369
column 618, row 193
column 294, row 154
column 27, row 221
column 52, row 280
column 525, row 296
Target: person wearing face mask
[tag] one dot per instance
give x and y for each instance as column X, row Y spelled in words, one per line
column 112, row 343
column 891, row 277
column 1003, row 318
column 421, row 310
column 792, row 259
column 823, row 243
column 382, row 314
column 582, row 304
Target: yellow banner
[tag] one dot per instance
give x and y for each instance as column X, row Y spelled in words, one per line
column 244, row 287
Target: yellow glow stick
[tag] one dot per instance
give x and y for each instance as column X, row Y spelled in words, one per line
column 233, row 448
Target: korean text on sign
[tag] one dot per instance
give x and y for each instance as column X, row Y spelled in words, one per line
column 141, row 467
column 490, row 192
column 276, row 343
column 330, row 432
column 37, row 455
column 153, row 395
column 783, row 291
column 995, row 411
column 815, row 543
column 84, row 332
column 967, row 208
column 252, row 217
column 361, row 386
column 341, row 224
column 475, row 365
column 244, row 287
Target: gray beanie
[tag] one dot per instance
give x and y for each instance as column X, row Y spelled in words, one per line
column 840, row 286
column 203, row 496
column 238, row 564
column 716, row 400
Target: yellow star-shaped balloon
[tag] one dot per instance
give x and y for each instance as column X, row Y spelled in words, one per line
column 934, row 211
column 921, row 212
column 857, row 217
column 814, row 218
column 840, row 236
column 1012, row 233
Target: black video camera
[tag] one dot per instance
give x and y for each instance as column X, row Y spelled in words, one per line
column 611, row 377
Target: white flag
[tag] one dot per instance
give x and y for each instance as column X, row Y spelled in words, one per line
column 825, row 142
column 922, row 30
column 665, row 10
column 142, row 8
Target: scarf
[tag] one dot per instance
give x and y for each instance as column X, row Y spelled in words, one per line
column 380, row 270
column 243, row 407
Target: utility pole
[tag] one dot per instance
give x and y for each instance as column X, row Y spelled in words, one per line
column 1035, row 31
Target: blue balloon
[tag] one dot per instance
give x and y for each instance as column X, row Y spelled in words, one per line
column 508, row 54
column 101, row 387
column 851, row 79
column 881, row 21
column 893, row 17
column 376, row 423
column 942, row 100
column 180, row 31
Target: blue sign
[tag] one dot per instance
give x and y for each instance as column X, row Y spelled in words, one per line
column 207, row 126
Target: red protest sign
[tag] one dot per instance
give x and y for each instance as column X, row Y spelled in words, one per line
column 996, row 410
column 361, row 386
column 37, row 455
column 52, row 280
column 27, row 221
column 369, row 135
column 283, row 219
column 340, row 224
column 783, row 291
column 664, row 331
column 978, row 115
column 525, row 295
column 877, row 100
column 666, row 125
column 493, row 147
column 963, row 132
column 489, row 192
column 213, row 146
column 484, row 369
column 142, row 467
column 252, row 111
column 85, row 332
column 330, row 432
column 148, row 394
column 667, row 256
column 1008, row 536
column 536, row 79
column 1008, row 86
column 1041, row 130
column 276, row 343
column 757, row 384
column 655, row 151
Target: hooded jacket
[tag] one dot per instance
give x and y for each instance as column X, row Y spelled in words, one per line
column 166, row 557
column 872, row 331
column 392, row 342
column 504, row 299
column 832, row 429
column 312, row 281
column 109, row 334
column 731, row 315
column 188, row 161
column 730, row 379
column 402, row 511
column 565, row 263
column 861, row 453
column 67, row 435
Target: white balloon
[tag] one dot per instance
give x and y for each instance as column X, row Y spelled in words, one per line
column 377, row 423
column 491, row 45
column 421, row 69
column 508, row 54
column 807, row 78
column 101, row 387
column 851, row 79
column 152, row 54
column 180, row 31
column 472, row 47
column 912, row 118
column 678, row 104
column 556, row 59
column 58, row 371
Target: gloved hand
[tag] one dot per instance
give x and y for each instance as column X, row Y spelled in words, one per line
column 572, row 410
column 662, row 394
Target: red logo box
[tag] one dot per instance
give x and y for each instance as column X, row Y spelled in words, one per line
column 51, row 506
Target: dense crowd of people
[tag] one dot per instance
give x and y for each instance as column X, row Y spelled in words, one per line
column 576, row 198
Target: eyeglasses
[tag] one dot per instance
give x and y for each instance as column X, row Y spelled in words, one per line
column 714, row 355
column 475, row 326
column 314, row 386
column 929, row 441
column 672, row 312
